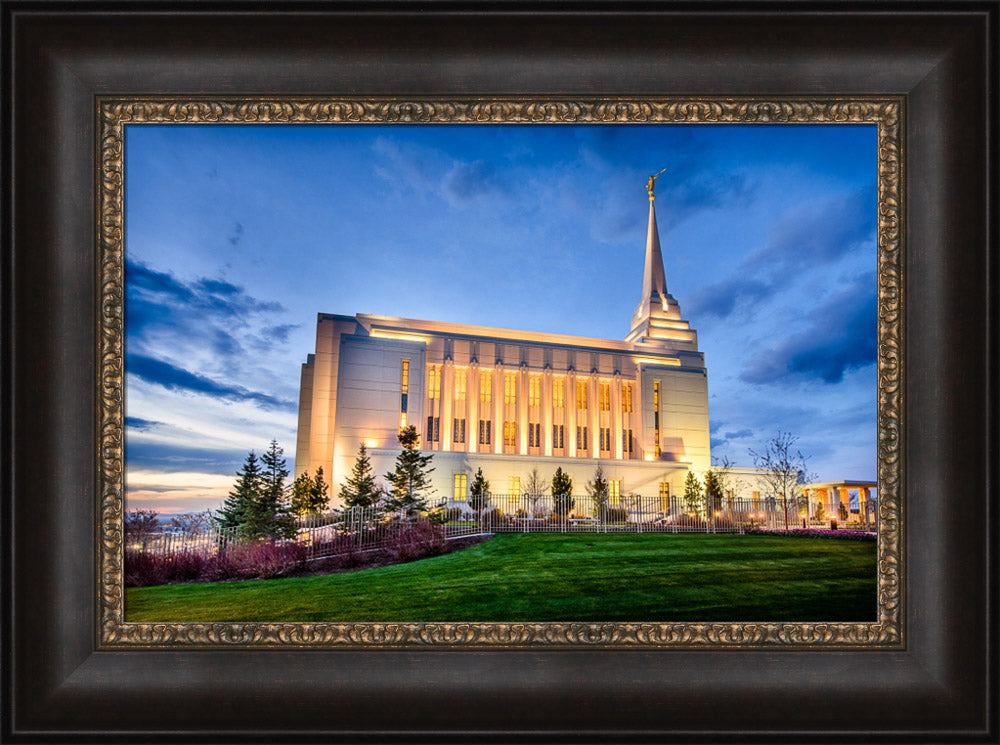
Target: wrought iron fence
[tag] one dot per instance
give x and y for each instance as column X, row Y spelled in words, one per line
column 365, row 529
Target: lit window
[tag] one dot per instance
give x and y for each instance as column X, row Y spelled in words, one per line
column 461, row 487
column 664, row 496
column 485, row 388
column 534, row 435
column 627, row 441
column 458, row 436
column 627, row 397
column 559, row 393
column 514, row 485
column 434, row 383
column 510, row 433
column 557, row 436
column 605, row 438
column 510, row 389
column 485, row 427
column 534, row 390
column 581, row 395
column 656, row 418
column 404, row 389
column 605, row 389
column 581, row 438
column 433, row 429
column 615, row 492
column 460, row 378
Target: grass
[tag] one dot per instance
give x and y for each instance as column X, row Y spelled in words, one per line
column 559, row 577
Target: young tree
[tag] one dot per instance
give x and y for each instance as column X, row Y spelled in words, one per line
column 269, row 516
column 713, row 491
column 598, row 490
column 245, row 492
column 410, row 480
column 479, row 492
column 562, row 493
column 140, row 525
column 360, row 489
column 729, row 483
column 694, row 499
column 782, row 468
column 536, row 486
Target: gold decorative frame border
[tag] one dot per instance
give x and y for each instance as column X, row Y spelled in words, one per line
column 113, row 113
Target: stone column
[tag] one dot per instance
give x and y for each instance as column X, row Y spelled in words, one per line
column 570, row 403
column 522, row 410
column 447, row 397
column 498, row 407
column 616, row 417
column 472, row 396
column 547, row 416
column 863, row 504
column 595, row 415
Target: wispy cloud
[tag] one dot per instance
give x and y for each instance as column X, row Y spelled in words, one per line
column 175, row 378
column 466, row 181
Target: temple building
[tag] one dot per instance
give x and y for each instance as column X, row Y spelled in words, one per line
column 510, row 401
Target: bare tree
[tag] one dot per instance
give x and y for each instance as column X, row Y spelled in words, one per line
column 730, row 484
column 535, row 487
column 782, row 467
column 191, row 523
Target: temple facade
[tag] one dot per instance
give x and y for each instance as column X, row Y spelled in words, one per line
column 509, row 401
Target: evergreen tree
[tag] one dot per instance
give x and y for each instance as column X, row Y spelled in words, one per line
column 245, row 492
column 269, row 516
column 562, row 492
column 360, row 489
column 479, row 492
column 310, row 495
column 598, row 490
column 693, row 497
column 713, row 491
column 410, row 480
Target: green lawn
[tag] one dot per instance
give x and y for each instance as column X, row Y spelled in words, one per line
column 559, row 577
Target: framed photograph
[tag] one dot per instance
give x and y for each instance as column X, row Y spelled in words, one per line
column 193, row 181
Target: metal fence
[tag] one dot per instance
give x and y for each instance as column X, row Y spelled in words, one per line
column 365, row 529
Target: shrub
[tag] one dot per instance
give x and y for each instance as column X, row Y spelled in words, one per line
column 415, row 541
column 615, row 514
column 451, row 514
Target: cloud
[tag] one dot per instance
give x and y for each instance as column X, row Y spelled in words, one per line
column 466, row 181
column 279, row 333
column 720, row 299
column 741, row 434
column 174, row 378
column 841, row 336
column 818, row 232
column 164, row 457
column 144, row 425
column 237, row 235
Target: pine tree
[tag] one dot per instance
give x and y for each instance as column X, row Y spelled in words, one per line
column 360, row 489
column 410, row 480
column 245, row 492
column 310, row 495
column 598, row 490
column 479, row 492
column 269, row 516
column 320, row 492
column 713, row 491
column 693, row 497
column 562, row 491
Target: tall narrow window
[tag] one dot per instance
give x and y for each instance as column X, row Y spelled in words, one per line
column 485, row 388
column 626, row 442
column 510, row 434
column 434, row 383
column 558, row 393
column 433, row 429
column 510, row 388
column 581, row 395
column 605, row 389
column 605, row 438
column 534, row 435
column 404, row 390
column 460, row 378
column 557, row 436
column 461, row 487
column 627, row 397
column 514, row 485
column 615, row 492
column 656, row 418
column 485, row 426
column 458, row 435
column 581, row 438
column 534, row 390
column 664, row 496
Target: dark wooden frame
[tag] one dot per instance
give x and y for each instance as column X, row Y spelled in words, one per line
column 57, row 58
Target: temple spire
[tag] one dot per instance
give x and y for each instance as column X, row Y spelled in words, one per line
column 657, row 318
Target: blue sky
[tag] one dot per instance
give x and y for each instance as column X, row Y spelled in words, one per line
column 236, row 236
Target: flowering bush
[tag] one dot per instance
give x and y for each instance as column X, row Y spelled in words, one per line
column 847, row 535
